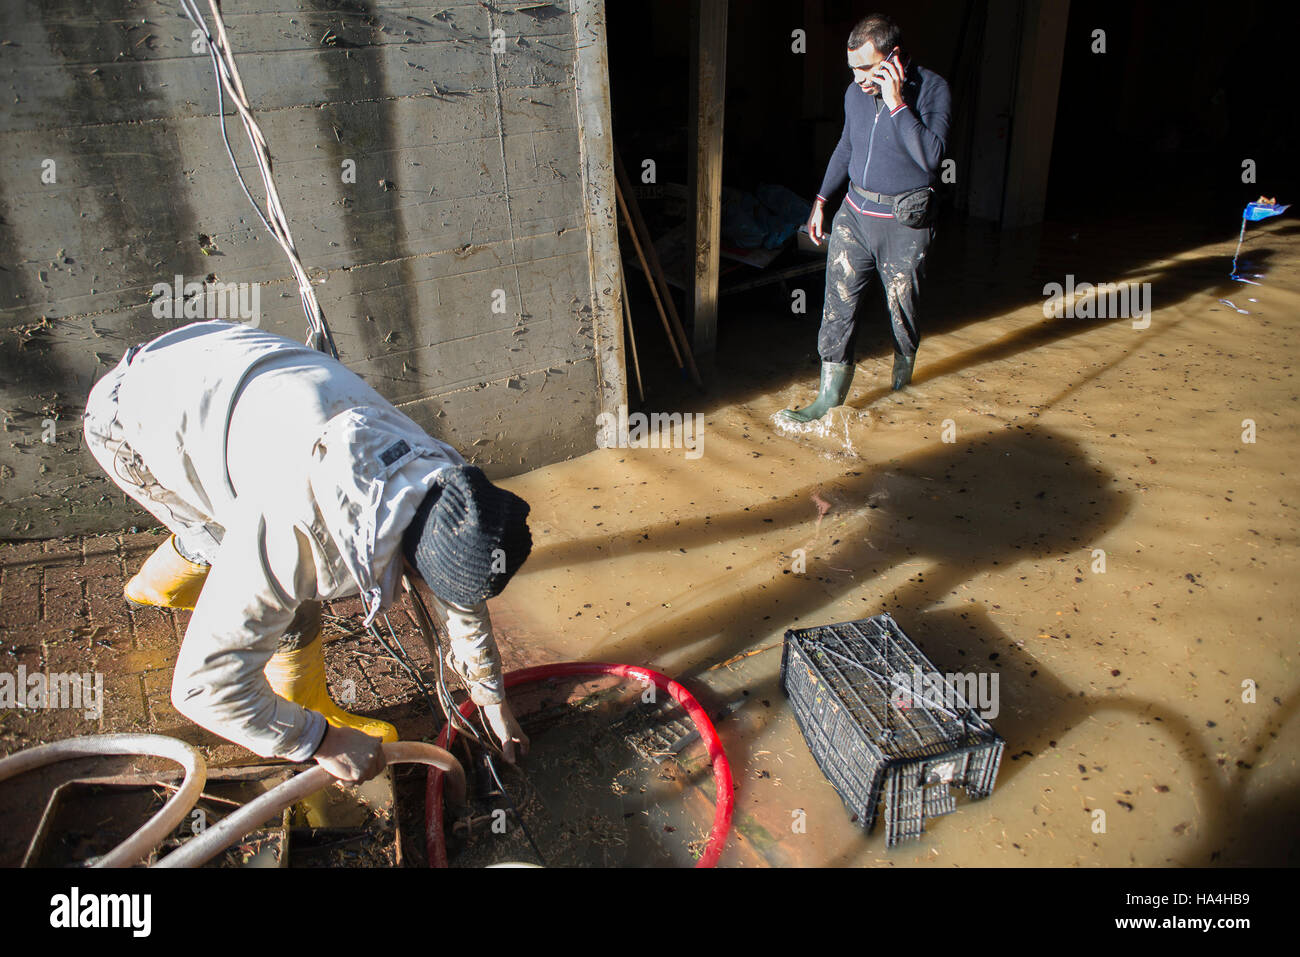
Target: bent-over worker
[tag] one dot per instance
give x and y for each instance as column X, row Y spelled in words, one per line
column 287, row 481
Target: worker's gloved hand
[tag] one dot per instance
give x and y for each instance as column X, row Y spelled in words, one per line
column 350, row 755
column 815, row 232
column 514, row 743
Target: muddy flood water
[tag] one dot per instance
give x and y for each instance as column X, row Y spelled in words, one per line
column 1102, row 516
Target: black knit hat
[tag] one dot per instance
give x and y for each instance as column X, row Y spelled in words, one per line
column 468, row 537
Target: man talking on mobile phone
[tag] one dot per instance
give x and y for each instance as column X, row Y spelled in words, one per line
column 896, row 116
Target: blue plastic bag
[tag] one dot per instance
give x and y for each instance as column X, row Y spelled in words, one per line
column 1257, row 211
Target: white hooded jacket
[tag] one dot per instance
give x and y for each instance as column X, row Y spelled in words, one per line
column 307, row 479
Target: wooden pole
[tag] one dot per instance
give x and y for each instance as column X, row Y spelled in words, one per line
column 704, row 158
column 631, row 334
column 656, row 271
column 640, row 255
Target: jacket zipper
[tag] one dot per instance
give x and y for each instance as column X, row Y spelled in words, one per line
column 870, row 143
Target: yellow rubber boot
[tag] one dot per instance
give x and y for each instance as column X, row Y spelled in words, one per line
column 167, row 579
column 299, row 676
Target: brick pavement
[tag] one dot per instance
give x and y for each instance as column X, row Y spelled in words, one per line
column 62, row 610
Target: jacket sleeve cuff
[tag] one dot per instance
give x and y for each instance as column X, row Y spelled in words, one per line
column 312, row 737
column 833, row 181
column 474, row 654
column 898, row 109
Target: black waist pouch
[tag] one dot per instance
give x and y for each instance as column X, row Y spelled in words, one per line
column 915, row 208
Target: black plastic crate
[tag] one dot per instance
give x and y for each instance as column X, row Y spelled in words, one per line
column 873, row 738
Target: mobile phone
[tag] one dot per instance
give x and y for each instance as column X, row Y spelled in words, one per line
column 893, row 55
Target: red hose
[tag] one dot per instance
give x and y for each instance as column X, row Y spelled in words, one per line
column 437, row 849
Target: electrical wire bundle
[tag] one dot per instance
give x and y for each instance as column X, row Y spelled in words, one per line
column 274, row 219
column 432, row 636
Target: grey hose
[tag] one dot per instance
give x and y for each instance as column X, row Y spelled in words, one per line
column 136, row 847
column 230, row 829
column 202, row 848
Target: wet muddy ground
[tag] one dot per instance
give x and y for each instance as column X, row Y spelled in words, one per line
column 1102, row 515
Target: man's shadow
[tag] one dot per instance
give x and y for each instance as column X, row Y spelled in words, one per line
column 963, row 508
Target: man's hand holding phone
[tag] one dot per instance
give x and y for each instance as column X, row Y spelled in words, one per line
column 888, row 77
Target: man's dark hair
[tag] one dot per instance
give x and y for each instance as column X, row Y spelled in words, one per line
column 880, row 30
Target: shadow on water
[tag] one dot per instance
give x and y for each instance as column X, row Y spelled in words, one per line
column 1003, row 497
column 1168, row 287
column 957, row 512
column 974, row 273
column 1232, row 830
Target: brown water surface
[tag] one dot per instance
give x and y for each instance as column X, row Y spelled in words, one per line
column 1098, row 532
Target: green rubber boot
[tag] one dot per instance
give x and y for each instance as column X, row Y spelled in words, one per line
column 903, row 366
column 836, row 378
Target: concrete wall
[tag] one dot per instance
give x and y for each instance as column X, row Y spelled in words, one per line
column 473, row 175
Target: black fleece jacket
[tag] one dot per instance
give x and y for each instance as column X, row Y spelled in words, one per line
column 891, row 152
